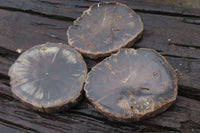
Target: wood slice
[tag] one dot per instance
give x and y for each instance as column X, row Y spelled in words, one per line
column 132, row 85
column 48, row 77
column 105, row 28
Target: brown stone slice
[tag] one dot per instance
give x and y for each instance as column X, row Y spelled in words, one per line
column 105, row 28
column 132, row 85
column 48, row 77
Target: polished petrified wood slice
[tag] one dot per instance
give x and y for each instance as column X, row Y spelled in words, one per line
column 105, row 28
column 132, row 85
column 48, row 77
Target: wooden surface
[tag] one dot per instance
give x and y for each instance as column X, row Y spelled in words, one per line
column 172, row 31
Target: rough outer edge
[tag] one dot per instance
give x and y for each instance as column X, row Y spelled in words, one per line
column 128, row 43
column 141, row 116
column 68, row 103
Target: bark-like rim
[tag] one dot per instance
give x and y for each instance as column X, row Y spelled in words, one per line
column 139, row 116
column 96, row 55
column 66, row 104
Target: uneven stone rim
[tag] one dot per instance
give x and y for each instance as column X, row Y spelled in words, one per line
column 141, row 116
column 67, row 103
column 96, row 55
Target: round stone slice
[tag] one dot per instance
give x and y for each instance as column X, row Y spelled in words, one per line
column 132, row 85
column 48, row 77
column 105, row 28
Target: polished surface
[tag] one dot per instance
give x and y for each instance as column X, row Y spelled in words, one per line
column 104, row 28
column 48, row 75
column 131, row 84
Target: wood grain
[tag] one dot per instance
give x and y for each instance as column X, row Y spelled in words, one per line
column 84, row 116
column 172, row 31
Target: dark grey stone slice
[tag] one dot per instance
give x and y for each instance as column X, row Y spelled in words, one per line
column 105, row 28
column 48, row 77
column 132, row 85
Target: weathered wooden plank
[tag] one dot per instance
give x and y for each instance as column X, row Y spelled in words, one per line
column 173, row 31
column 164, row 31
column 170, row 36
column 188, row 73
column 85, row 117
column 175, row 116
column 51, row 7
column 4, row 65
column 182, row 111
column 22, row 31
column 155, row 8
column 4, row 128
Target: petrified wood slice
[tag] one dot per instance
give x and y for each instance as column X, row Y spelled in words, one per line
column 105, row 28
column 48, row 77
column 132, row 85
